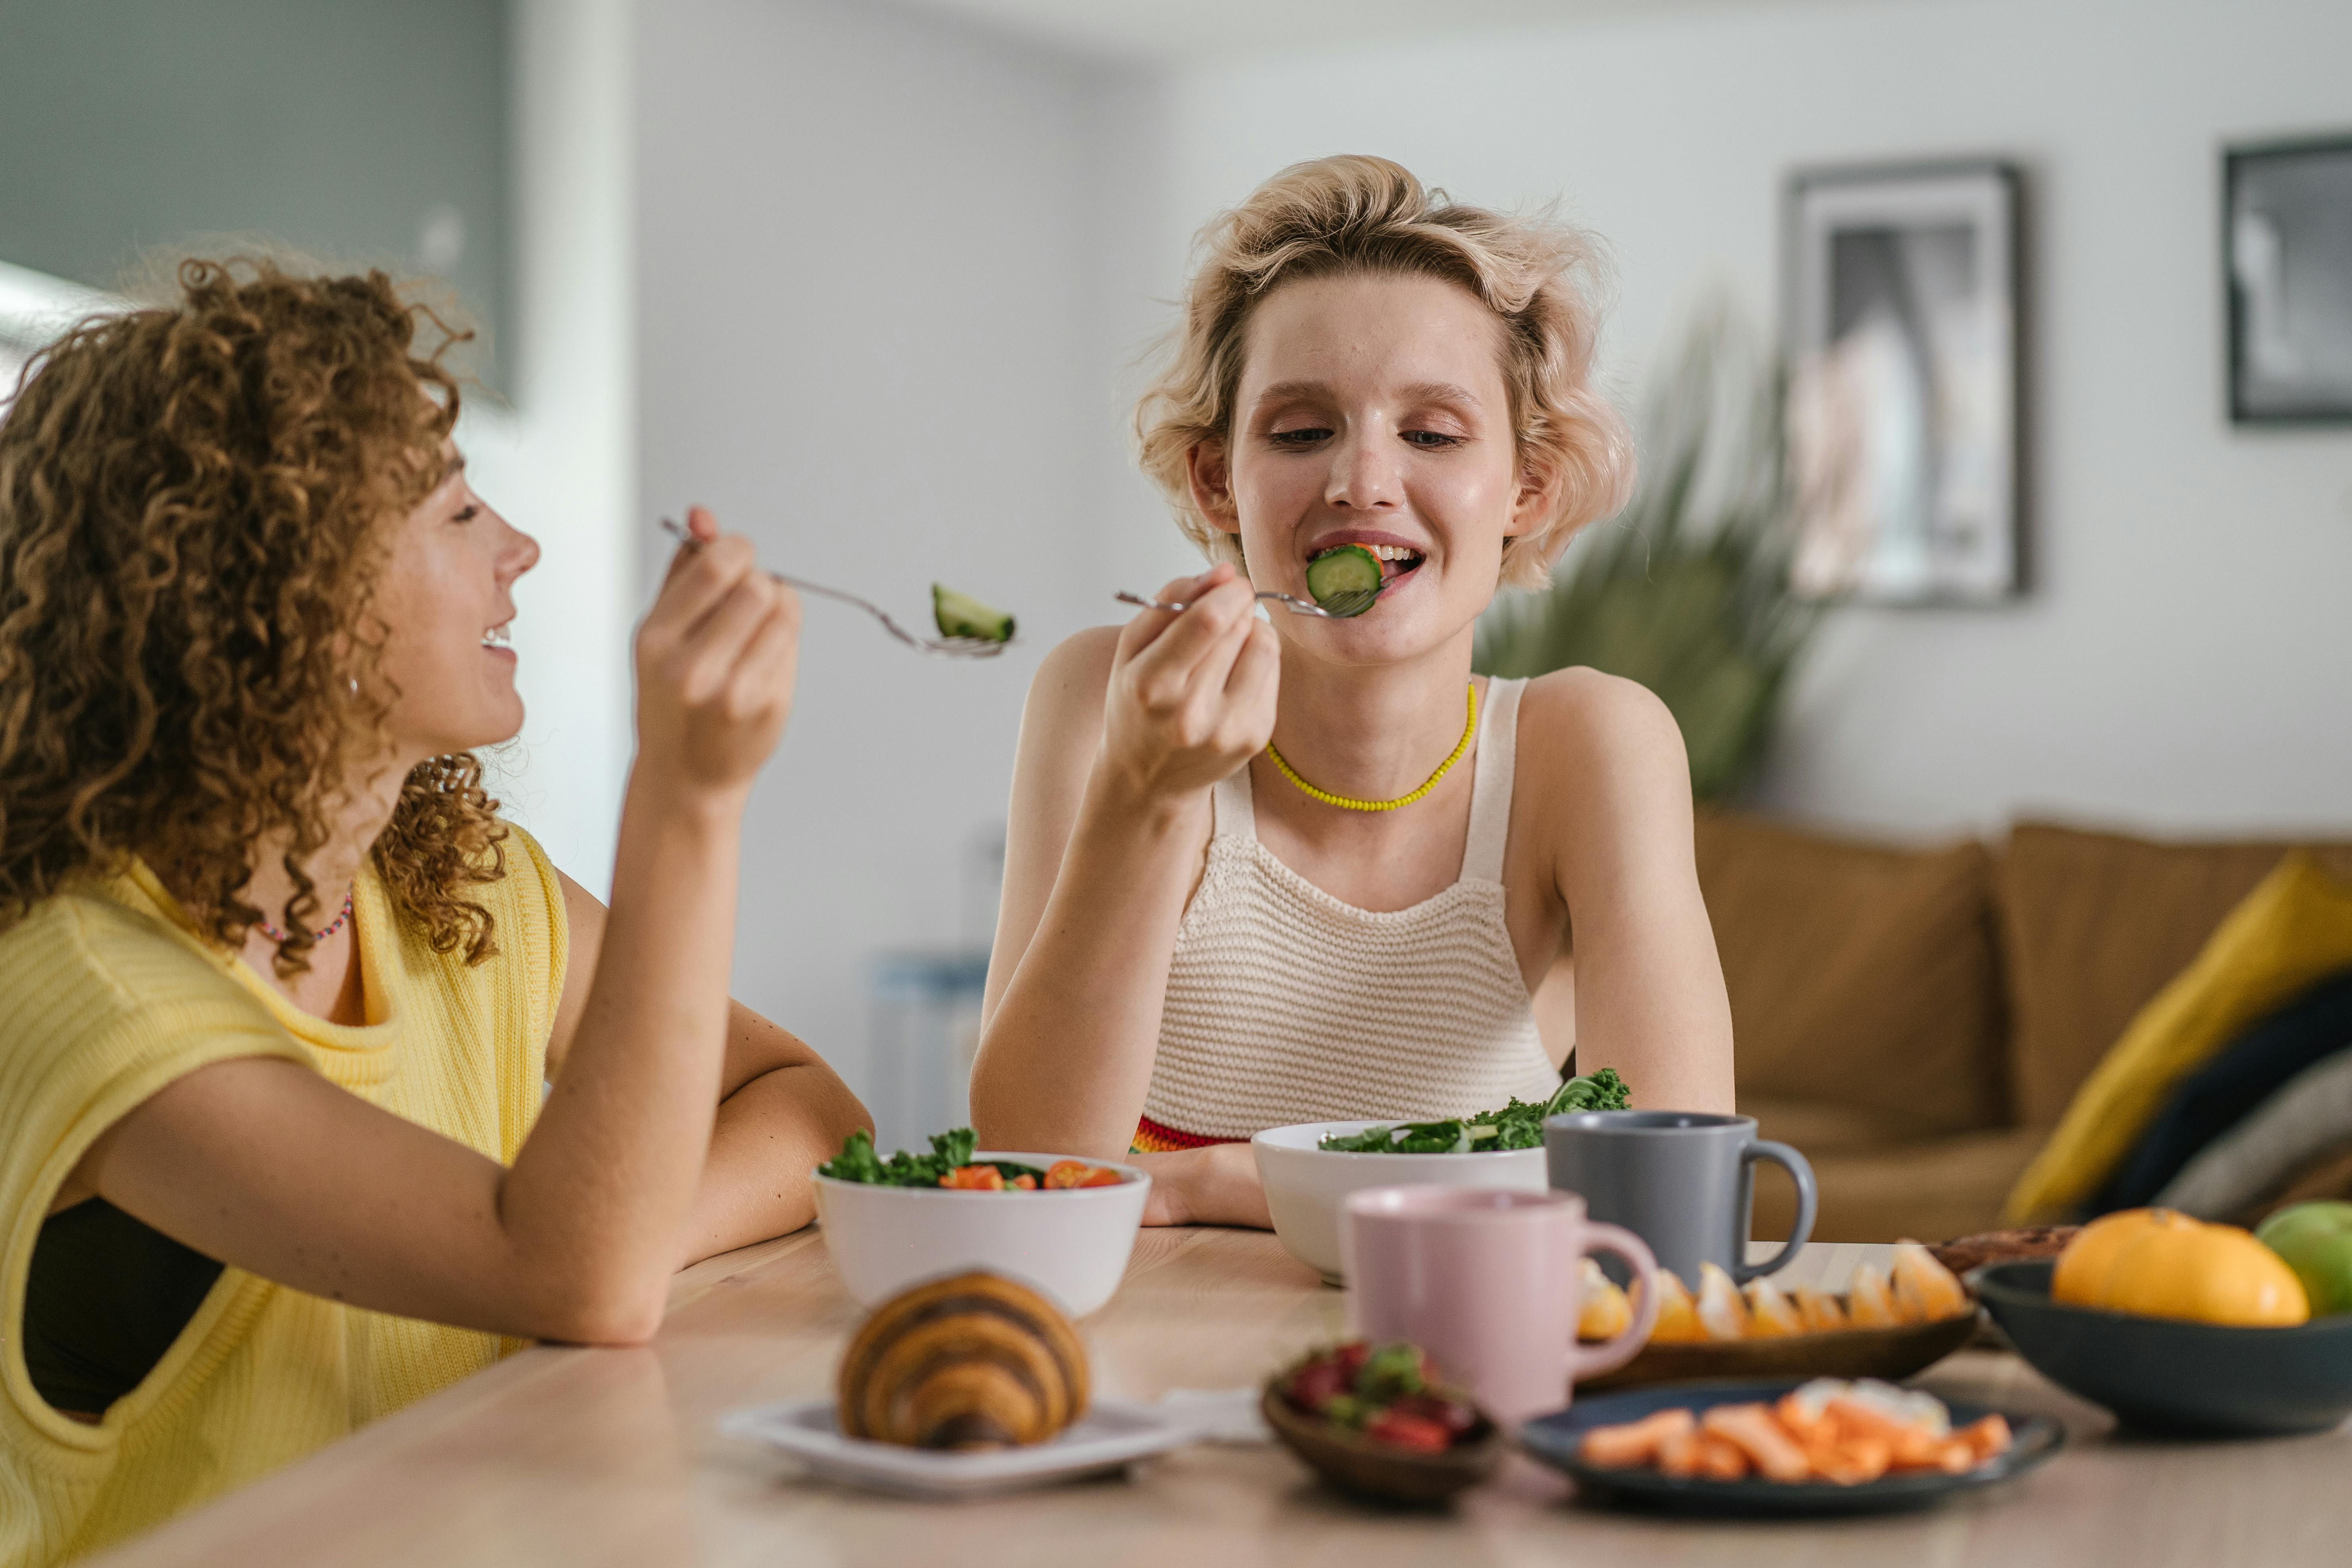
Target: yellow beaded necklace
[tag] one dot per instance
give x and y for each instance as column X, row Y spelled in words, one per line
column 1469, row 728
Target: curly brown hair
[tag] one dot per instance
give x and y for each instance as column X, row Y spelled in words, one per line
column 195, row 501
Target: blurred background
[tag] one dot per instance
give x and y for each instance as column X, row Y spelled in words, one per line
column 872, row 280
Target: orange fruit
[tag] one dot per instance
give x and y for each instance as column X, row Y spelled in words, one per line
column 1870, row 1300
column 1677, row 1314
column 1722, row 1310
column 2080, row 1277
column 1771, row 1313
column 2160, row 1264
column 1602, row 1310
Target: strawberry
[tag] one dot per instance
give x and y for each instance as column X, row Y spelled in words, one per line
column 1403, row 1429
column 1315, row 1384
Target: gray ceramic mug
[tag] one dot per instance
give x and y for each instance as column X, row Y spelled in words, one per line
column 1683, row 1181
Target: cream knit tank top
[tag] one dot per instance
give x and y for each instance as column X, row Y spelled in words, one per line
column 1286, row 1005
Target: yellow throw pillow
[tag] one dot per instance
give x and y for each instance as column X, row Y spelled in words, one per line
column 2293, row 930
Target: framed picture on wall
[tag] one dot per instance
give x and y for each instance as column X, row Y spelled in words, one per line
column 1902, row 327
column 2286, row 254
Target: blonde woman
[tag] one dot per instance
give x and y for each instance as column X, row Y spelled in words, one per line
column 278, row 989
column 1264, row 872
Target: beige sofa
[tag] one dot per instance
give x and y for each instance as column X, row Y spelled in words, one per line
column 1916, row 1019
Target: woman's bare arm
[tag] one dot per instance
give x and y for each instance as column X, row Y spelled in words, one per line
column 1647, row 985
column 1555, row 1009
column 782, row 1110
column 1122, row 741
column 269, row 1168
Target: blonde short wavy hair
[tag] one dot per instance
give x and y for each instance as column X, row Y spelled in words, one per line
column 1362, row 214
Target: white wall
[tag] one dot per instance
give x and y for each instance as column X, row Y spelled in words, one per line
column 2185, row 659
column 865, row 293
column 559, row 462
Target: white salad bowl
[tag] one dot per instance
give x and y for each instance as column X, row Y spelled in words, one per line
column 1305, row 1185
column 1072, row 1243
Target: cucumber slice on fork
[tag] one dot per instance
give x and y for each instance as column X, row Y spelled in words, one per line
column 1349, row 574
column 962, row 615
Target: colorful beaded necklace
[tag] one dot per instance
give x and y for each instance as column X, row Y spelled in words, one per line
column 321, row 934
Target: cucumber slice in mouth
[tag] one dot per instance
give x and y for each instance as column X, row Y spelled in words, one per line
column 1351, row 573
column 962, row 615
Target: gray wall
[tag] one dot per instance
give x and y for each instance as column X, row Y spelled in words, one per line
column 338, row 126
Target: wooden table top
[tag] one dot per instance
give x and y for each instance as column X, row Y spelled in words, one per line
column 586, row 1457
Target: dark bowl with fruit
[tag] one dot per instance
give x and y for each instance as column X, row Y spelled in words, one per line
column 2171, row 1376
column 1375, row 1421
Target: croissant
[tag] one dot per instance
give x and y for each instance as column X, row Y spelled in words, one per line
column 972, row 1361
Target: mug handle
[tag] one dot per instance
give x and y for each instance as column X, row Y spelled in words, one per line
column 1590, row 1361
column 1808, row 1198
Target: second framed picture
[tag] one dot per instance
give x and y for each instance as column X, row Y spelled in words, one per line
column 1902, row 324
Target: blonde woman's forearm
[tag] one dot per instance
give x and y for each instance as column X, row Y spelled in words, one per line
column 1066, row 1057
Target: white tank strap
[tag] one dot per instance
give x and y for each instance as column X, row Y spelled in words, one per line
column 1490, row 791
column 1232, row 814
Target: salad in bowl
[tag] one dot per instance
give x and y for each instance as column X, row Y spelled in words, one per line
column 1063, row 1225
column 1308, row 1169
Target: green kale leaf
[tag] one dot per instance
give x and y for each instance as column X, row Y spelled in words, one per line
column 857, row 1162
column 1517, row 1125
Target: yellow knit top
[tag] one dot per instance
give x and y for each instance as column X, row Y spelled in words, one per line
column 106, row 995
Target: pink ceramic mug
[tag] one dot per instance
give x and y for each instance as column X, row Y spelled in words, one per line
column 1488, row 1282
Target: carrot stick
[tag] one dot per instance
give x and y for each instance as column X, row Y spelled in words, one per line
column 1987, row 1438
column 1810, row 1424
column 1679, row 1455
column 1768, row 1446
column 1721, row 1459
column 1914, row 1448
column 1849, row 1463
column 1635, row 1442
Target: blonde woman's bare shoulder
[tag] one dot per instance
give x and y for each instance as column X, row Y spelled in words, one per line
column 1082, row 659
column 1062, row 722
column 1600, row 734
column 1073, row 678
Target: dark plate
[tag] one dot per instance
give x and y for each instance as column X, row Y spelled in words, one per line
column 1555, row 1439
column 2171, row 1376
column 1889, row 1353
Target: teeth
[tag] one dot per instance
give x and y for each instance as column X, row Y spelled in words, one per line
column 497, row 636
column 1393, row 553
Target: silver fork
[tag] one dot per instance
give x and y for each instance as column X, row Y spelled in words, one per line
column 955, row 648
column 1338, row 607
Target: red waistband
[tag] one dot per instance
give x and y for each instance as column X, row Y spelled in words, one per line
column 1152, row 1138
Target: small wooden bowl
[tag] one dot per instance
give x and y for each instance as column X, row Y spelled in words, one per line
column 1891, row 1354
column 1356, row 1464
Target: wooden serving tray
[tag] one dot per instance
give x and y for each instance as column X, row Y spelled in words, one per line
column 1889, row 1353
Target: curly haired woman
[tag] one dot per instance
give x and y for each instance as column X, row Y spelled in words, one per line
column 278, row 989
column 1269, row 872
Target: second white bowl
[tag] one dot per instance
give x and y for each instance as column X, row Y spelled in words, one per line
column 1304, row 1185
column 1073, row 1244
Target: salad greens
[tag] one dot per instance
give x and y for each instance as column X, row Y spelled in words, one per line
column 949, row 1152
column 1517, row 1125
column 857, row 1162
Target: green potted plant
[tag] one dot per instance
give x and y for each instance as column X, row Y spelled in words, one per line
column 1687, row 591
